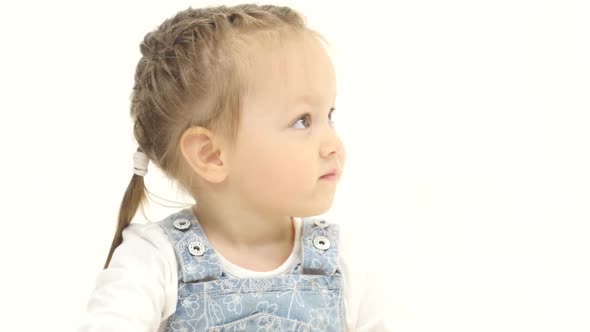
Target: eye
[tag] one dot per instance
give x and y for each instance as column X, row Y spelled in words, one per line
column 306, row 118
column 330, row 114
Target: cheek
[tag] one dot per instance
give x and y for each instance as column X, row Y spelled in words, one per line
column 283, row 165
column 274, row 168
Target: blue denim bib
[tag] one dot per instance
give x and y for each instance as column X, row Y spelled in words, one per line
column 307, row 298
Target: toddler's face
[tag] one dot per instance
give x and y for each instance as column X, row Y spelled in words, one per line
column 281, row 153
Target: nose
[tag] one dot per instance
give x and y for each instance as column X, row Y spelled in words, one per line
column 331, row 143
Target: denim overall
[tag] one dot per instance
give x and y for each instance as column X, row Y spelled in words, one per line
column 307, row 298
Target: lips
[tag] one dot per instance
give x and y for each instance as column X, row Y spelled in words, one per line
column 333, row 171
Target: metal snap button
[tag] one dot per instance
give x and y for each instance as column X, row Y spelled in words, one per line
column 321, row 242
column 182, row 224
column 196, row 248
column 321, row 223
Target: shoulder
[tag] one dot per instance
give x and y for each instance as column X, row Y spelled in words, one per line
column 142, row 271
column 154, row 235
column 353, row 250
column 363, row 294
column 148, row 247
column 145, row 238
column 146, row 250
column 150, row 232
column 353, row 261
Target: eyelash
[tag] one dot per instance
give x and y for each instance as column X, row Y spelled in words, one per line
column 308, row 115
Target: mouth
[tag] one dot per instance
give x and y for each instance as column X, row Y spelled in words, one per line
column 332, row 174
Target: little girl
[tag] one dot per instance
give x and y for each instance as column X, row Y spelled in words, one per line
column 235, row 104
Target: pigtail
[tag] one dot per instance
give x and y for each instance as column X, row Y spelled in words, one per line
column 134, row 196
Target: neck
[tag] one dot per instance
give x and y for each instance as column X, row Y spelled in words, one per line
column 244, row 229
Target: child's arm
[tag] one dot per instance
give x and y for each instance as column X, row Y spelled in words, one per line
column 131, row 295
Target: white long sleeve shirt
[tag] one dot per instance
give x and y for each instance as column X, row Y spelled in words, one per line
column 138, row 291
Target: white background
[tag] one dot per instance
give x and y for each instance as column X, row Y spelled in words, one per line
column 467, row 129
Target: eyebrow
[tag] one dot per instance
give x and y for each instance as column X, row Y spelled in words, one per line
column 308, row 99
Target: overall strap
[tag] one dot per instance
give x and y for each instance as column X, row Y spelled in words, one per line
column 197, row 261
column 320, row 242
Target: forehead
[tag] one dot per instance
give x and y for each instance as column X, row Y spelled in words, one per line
column 289, row 72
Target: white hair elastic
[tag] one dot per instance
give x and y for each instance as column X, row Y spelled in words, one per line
column 140, row 163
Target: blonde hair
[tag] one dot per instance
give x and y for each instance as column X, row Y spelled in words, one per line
column 193, row 72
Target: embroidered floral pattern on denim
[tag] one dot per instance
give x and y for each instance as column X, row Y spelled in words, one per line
column 307, row 298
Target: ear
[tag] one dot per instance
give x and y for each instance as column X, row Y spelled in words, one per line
column 204, row 154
